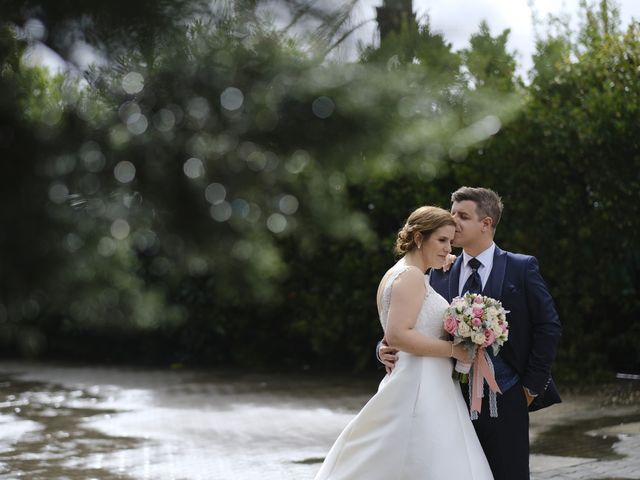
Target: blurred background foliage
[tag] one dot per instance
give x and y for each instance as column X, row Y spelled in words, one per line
column 208, row 184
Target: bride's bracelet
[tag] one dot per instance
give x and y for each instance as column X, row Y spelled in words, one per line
column 451, row 349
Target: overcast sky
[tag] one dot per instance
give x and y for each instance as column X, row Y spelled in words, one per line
column 455, row 19
column 458, row 19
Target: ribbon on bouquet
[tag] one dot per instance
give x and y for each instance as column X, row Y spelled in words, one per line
column 482, row 370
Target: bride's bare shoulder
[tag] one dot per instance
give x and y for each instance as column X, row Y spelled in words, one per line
column 411, row 277
column 408, row 276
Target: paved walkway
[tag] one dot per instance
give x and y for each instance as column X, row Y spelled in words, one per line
column 623, row 434
column 557, row 468
column 80, row 423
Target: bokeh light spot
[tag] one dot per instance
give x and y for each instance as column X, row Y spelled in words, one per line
column 137, row 124
column 254, row 213
column 276, row 223
column 231, row 98
column 132, row 83
column 198, row 108
column 272, row 161
column 120, row 229
column 106, row 246
column 298, row 162
column 221, row 212
column 96, row 207
column 129, row 112
column 145, row 240
column 72, row 242
column 427, row 171
column 193, row 168
column 58, row 192
column 288, row 204
column 64, row 164
column 323, row 107
column 240, row 208
column 256, row 161
column 197, row 266
column 215, row 193
column 124, row 171
column 164, row 120
column 92, row 157
column 119, row 136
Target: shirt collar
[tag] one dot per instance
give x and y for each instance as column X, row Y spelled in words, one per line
column 485, row 257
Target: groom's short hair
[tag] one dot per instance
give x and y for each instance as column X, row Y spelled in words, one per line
column 488, row 203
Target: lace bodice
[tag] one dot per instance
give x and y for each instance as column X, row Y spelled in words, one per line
column 431, row 316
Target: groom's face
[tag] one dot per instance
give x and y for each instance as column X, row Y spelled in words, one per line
column 468, row 224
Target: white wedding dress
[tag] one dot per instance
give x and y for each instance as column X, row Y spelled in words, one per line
column 417, row 426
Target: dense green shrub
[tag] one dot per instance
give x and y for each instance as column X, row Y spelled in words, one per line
column 269, row 183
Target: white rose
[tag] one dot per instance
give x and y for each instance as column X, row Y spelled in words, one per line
column 478, row 338
column 464, row 330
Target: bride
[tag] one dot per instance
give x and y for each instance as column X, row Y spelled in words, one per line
column 417, row 425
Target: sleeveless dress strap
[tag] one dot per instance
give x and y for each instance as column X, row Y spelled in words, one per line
column 385, row 300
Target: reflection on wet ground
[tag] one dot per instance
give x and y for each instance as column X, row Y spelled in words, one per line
column 100, row 423
column 583, row 438
column 48, row 422
column 69, row 423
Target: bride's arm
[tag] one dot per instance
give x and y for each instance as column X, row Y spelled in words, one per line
column 407, row 295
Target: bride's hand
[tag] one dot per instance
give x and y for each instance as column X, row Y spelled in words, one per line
column 447, row 264
column 388, row 356
column 462, row 354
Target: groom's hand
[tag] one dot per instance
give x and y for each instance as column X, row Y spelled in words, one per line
column 388, row 356
column 450, row 261
column 530, row 398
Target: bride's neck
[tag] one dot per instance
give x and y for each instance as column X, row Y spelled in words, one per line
column 414, row 258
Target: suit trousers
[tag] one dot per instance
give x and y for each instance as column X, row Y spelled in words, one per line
column 505, row 438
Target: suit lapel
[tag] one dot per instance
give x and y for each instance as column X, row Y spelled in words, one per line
column 454, row 278
column 493, row 287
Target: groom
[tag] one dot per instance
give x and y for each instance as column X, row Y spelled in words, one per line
column 522, row 368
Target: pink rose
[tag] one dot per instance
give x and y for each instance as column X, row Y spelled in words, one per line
column 504, row 327
column 477, row 311
column 489, row 337
column 451, row 325
column 476, row 321
column 478, row 299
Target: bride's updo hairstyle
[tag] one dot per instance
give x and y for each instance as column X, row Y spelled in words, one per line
column 424, row 220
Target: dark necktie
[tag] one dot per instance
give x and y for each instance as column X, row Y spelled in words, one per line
column 474, row 282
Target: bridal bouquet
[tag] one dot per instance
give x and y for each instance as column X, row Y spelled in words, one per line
column 477, row 322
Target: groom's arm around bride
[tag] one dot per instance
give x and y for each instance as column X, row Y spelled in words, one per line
column 523, row 366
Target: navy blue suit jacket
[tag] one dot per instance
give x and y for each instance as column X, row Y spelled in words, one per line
column 534, row 326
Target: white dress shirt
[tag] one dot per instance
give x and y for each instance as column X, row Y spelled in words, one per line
column 485, row 258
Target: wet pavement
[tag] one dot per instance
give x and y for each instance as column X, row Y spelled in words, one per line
column 69, row 422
